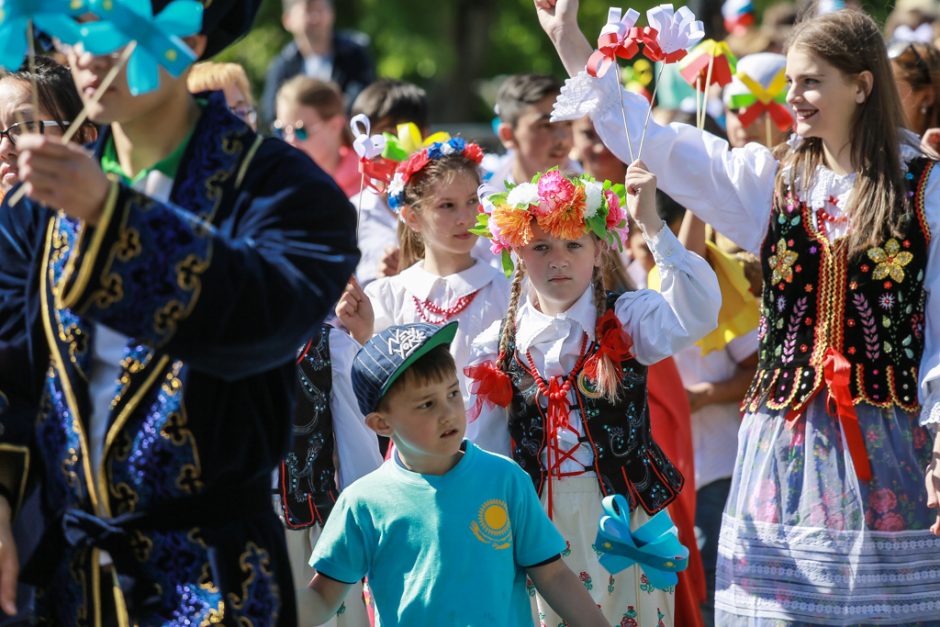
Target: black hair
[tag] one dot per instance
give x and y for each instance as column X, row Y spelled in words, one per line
column 392, row 102
column 55, row 89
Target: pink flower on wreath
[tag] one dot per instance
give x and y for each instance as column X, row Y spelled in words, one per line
column 883, row 500
column 890, row 522
column 615, row 213
column 555, row 192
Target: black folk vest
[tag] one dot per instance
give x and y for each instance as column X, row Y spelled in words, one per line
column 626, row 459
column 869, row 308
column 307, row 483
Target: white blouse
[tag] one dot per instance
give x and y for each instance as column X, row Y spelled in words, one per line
column 732, row 189
column 393, row 300
column 660, row 324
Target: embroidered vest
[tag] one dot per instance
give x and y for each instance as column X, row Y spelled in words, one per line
column 626, row 459
column 307, row 483
column 870, row 309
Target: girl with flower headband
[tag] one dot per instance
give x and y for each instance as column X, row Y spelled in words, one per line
column 826, row 522
column 434, row 193
column 560, row 383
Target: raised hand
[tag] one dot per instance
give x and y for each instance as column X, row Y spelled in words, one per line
column 354, row 310
column 641, row 197
column 556, row 15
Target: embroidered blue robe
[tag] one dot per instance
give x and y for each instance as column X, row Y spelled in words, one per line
column 216, row 288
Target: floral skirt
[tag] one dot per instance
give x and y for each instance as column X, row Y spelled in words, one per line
column 805, row 542
column 626, row 598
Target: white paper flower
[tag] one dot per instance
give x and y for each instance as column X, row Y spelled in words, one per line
column 446, row 148
column 523, row 195
column 593, row 198
column 397, row 186
column 678, row 30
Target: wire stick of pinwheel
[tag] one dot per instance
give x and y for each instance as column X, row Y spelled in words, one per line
column 709, row 63
column 666, row 39
column 618, row 40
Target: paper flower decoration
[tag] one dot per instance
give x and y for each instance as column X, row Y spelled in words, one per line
column 417, row 162
column 409, row 141
column 709, row 63
column 654, row 546
column 158, row 37
column 670, row 33
column 738, row 15
column 618, row 38
column 366, row 146
column 771, row 99
column 53, row 17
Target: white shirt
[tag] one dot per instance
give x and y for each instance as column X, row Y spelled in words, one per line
column 732, row 189
column 393, row 302
column 378, row 231
column 715, row 427
column 659, row 323
column 357, row 447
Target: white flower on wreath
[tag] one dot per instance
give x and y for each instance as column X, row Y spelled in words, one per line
column 523, row 195
column 593, row 198
column 397, row 186
column 446, row 148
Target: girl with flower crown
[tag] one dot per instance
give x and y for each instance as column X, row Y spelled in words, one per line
column 435, row 194
column 826, row 522
column 560, row 383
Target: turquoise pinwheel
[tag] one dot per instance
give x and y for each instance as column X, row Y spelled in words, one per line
column 654, row 545
column 157, row 37
column 53, row 17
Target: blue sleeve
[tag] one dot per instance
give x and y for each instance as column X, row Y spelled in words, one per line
column 535, row 538
column 231, row 300
column 344, row 549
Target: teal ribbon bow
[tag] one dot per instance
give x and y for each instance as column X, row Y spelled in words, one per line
column 158, row 37
column 654, row 545
column 53, row 17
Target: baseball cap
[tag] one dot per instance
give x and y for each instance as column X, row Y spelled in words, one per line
column 383, row 359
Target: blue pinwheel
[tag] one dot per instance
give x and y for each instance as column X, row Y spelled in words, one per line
column 157, row 38
column 654, row 545
column 53, row 17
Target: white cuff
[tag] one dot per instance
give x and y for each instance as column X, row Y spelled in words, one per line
column 667, row 250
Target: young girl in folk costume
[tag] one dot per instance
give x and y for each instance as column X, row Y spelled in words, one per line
column 435, row 193
column 560, row 383
column 826, row 521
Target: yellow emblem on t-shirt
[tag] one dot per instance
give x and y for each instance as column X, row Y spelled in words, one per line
column 492, row 525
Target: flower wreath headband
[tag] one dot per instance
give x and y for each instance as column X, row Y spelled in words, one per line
column 409, row 168
column 565, row 207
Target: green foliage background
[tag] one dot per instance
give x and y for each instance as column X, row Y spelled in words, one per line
column 456, row 49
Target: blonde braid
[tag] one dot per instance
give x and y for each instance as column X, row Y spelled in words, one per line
column 509, row 322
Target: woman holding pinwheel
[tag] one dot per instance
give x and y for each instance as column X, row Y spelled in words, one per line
column 151, row 299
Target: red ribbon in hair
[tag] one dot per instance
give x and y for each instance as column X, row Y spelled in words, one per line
column 614, row 343
column 490, row 385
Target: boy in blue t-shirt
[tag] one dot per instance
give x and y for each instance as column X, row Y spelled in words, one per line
column 445, row 531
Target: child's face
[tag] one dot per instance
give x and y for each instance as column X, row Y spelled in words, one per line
column 756, row 131
column 305, row 130
column 559, row 270
column 444, row 218
column 427, row 423
column 538, row 143
column 823, row 98
column 593, row 155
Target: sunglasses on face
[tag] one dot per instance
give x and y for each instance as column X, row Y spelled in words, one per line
column 898, row 50
column 31, row 126
column 286, row 131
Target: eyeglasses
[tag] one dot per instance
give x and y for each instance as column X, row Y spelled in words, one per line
column 899, row 48
column 31, row 126
column 247, row 113
column 297, row 130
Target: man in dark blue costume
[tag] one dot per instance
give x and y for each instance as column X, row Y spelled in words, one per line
column 152, row 298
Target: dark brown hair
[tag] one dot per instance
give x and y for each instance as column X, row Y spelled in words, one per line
column 919, row 65
column 391, row 102
column 435, row 366
column 851, row 42
column 437, row 174
column 523, row 90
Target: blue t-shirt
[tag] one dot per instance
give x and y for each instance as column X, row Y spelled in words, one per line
column 441, row 549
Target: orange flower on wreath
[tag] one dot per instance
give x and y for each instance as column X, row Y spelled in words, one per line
column 513, row 225
column 566, row 222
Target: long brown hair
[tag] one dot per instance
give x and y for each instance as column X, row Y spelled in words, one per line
column 851, row 42
column 919, row 65
column 608, row 383
column 438, row 173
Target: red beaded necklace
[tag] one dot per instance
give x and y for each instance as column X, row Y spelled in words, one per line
column 823, row 216
column 426, row 307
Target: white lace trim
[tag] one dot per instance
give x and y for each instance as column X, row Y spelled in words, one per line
column 930, row 415
column 826, row 576
column 580, row 96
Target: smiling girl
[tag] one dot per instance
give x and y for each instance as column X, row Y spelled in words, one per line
column 560, row 383
column 435, row 193
column 826, row 521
